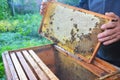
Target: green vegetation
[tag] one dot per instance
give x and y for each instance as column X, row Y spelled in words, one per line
column 4, row 9
column 20, row 31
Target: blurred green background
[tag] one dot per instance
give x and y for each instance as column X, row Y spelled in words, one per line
column 19, row 24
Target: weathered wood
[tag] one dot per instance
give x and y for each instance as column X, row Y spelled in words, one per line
column 47, row 56
column 92, row 68
column 43, row 66
column 18, row 67
column 34, row 48
column 105, row 65
column 69, row 69
column 11, row 66
column 109, row 75
column 95, row 52
column 31, row 61
column 7, row 69
column 26, row 67
column 30, row 64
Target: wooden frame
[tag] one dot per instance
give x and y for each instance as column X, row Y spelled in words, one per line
column 99, row 70
column 25, row 64
column 86, row 48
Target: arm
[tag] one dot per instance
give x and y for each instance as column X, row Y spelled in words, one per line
column 111, row 32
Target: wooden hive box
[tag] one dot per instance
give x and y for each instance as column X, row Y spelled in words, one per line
column 74, row 33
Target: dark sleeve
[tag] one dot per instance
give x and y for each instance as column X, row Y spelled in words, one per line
column 83, row 4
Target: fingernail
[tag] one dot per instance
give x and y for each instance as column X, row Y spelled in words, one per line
column 106, row 13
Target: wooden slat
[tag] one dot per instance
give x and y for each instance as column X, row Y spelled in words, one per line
column 109, row 75
column 39, row 72
column 11, row 66
column 7, row 69
column 35, row 48
column 95, row 52
column 104, row 65
column 43, row 66
column 18, row 67
column 26, row 67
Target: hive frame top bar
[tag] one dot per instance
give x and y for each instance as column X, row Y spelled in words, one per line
column 72, row 28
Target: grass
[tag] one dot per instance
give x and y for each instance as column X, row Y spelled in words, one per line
column 20, row 31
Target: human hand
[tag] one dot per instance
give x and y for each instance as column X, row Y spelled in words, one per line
column 44, row 5
column 111, row 32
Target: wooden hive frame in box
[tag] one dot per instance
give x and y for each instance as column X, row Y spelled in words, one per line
column 73, row 29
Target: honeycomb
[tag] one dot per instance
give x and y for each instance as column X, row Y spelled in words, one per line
column 72, row 28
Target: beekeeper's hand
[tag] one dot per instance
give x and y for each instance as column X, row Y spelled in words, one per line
column 43, row 6
column 111, row 32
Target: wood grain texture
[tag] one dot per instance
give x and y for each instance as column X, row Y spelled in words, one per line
column 18, row 67
column 48, row 72
column 68, row 66
column 26, row 67
column 7, row 68
column 35, row 66
column 95, row 52
column 11, row 66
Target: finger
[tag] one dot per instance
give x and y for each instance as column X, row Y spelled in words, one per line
column 110, row 41
column 106, row 33
column 114, row 38
column 42, row 8
column 111, row 14
column 109, row 25
column 43, row 11
column 43, row 5
column 107, row 38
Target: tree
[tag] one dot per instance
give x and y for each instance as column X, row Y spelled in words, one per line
column 11, row 5
column 4, row 9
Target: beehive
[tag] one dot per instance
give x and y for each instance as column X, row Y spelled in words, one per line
column 72, row 28
column 74, row 32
